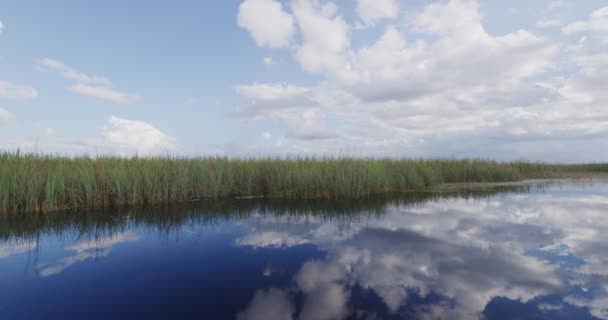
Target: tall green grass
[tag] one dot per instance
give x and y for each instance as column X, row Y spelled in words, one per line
column 32, row 183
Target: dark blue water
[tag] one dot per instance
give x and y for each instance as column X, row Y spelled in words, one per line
column 519, row 254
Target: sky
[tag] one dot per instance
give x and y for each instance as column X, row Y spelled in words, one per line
column 505, row 80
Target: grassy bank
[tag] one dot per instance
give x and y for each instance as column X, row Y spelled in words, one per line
column 30, row 183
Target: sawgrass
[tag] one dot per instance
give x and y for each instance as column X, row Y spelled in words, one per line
column 34, row 183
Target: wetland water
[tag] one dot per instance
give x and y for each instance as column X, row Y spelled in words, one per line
column 538, row 253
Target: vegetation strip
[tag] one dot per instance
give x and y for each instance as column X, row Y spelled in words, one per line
column 33, row 183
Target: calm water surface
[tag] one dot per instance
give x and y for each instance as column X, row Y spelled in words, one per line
column 518, row 254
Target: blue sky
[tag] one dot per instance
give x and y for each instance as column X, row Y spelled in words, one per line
column 458, row 78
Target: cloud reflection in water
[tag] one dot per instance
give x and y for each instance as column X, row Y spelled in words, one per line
column 466, row 251
column 88, row 249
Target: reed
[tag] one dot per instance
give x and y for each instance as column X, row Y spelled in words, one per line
column 39, row 183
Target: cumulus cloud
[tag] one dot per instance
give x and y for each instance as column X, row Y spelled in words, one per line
column 442, row 79
column 325, row 36
column 88, row 86
column 372, row 11
column 298, row 108
column 127, row 137
column 464, row 57
column 455, row 17
column 308, row 125
column 117, row 137
column 267, row 22
column 1, row 27
column 16, row 92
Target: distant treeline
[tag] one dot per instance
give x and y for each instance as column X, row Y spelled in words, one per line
column 33, row 183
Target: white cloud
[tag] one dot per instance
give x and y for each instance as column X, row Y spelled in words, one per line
column 464, row 57
column 372, row 11
column 130, row 136
column 307, row 125
column 69, row 73
column 425, row 87
column 598, row 22
column 271, row 92
column 118, row 137
column 268, row 61
column 267, row 136
column 16, row 92
column 267, row 22
column 1, row 27
column 103, row 93
column 298, row 108
column 6, row 117
column 454, row 17
column 88, row 86
column 325, row 36
column 554, row 15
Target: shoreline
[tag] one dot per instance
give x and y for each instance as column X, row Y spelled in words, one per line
column 565, row 178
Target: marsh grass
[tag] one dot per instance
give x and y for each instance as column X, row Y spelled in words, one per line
column 33, row 183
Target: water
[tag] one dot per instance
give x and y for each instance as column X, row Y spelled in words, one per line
column 519, row 254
